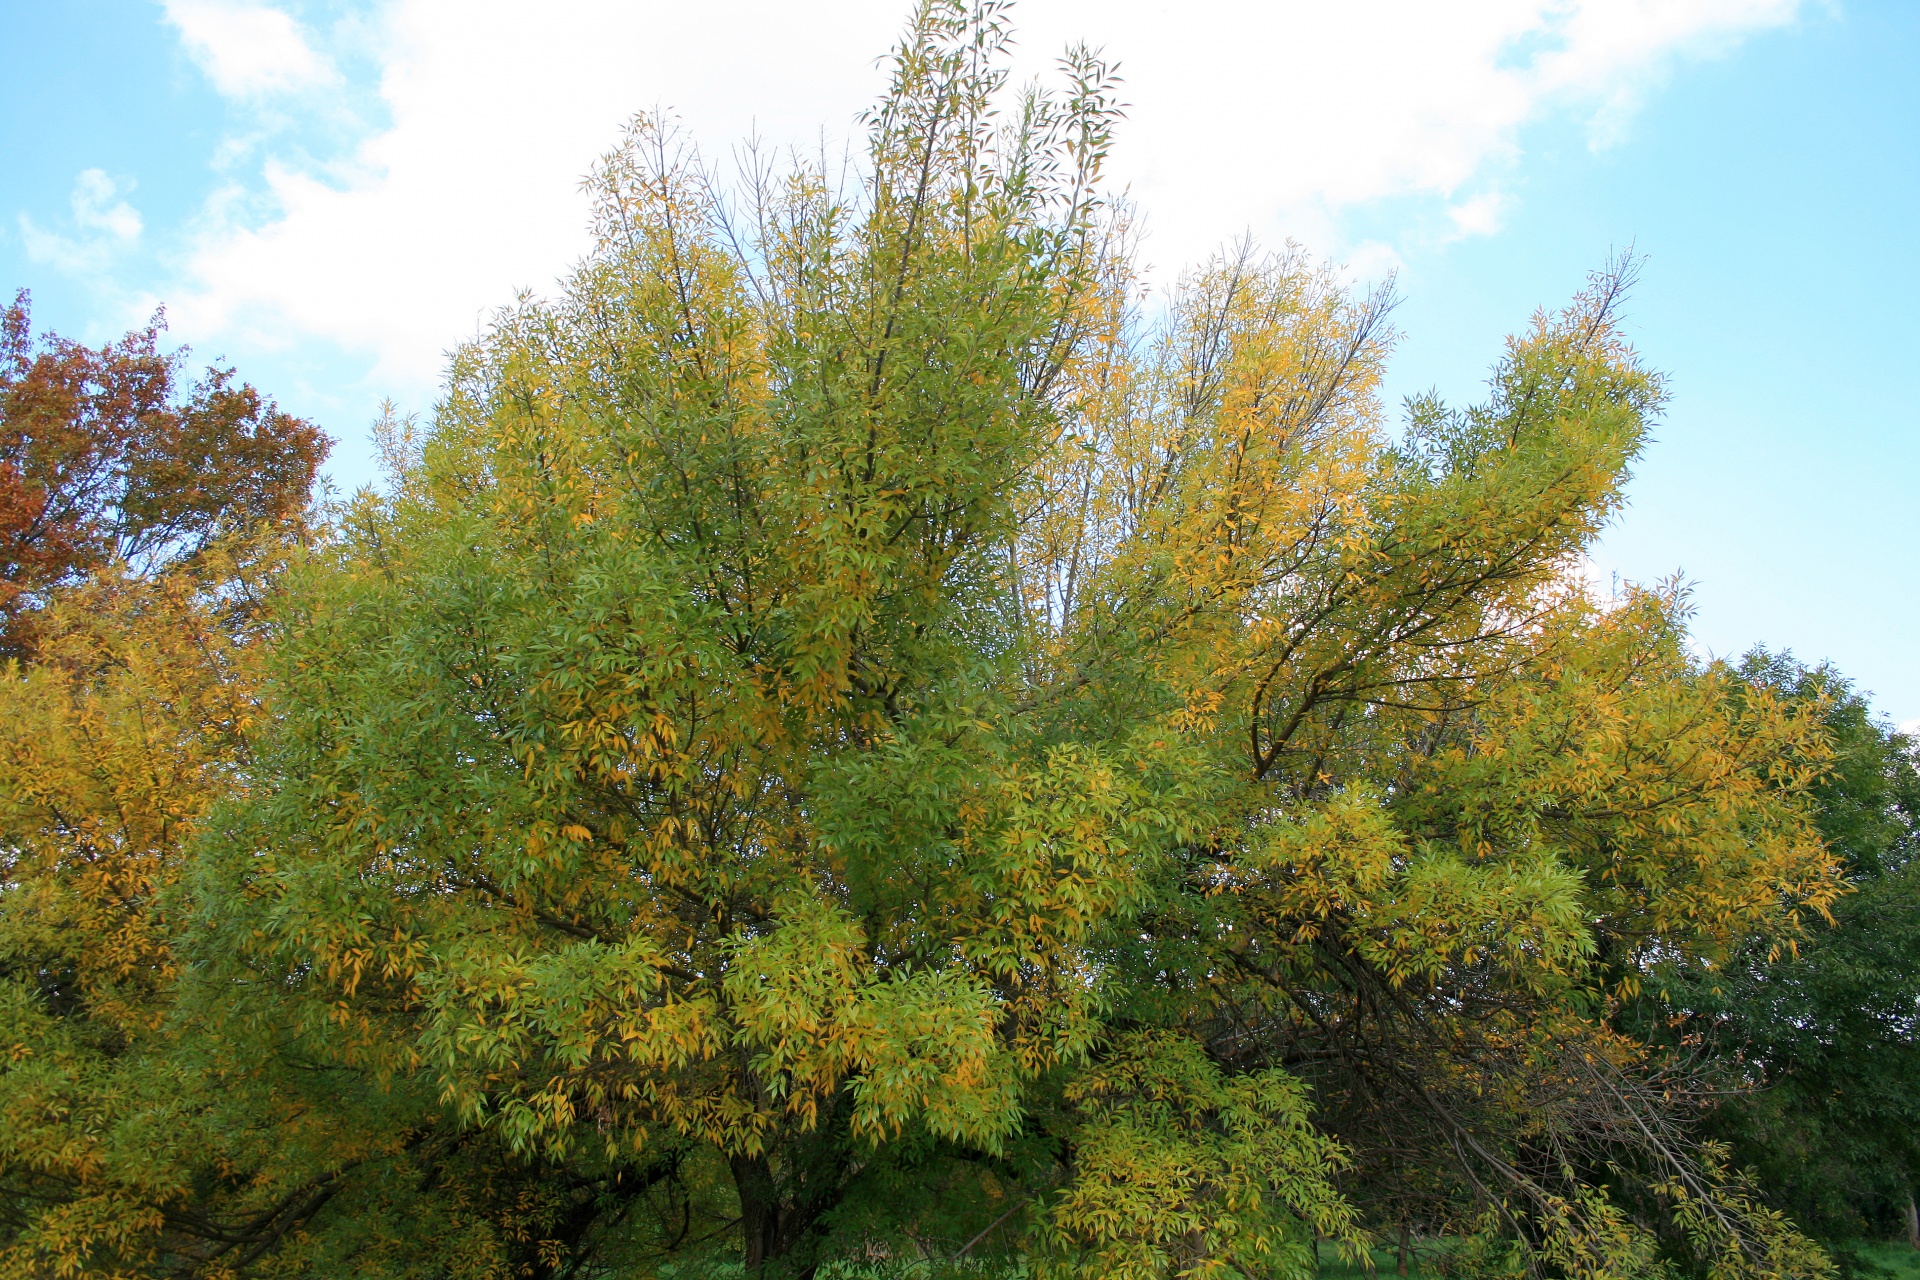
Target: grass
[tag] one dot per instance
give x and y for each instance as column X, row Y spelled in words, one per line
column 1889, row 1258
column 1384, row 1263
column 1885, row 1260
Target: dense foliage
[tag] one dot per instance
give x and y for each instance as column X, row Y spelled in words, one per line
column 105, row 460
column 851, row 739
column 1819, row 1042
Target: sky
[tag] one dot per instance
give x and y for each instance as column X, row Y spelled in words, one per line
column 331, row 196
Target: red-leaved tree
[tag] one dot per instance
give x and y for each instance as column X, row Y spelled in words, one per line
column 106, row 455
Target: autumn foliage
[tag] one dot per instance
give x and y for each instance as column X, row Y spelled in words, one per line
column 856, row 736
column 105, row 458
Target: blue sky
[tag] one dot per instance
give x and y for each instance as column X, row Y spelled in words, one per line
column 332, row 195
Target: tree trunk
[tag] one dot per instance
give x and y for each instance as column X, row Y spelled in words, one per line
column 759, row 1210
column 1406, row 1246
column 1913, row 1222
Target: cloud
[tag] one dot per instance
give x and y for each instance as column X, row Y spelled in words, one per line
column 248, row 49
column 1285, row 117
column 105, row 223
column 1478, row 215
column 1282, row 117
column 494, row 110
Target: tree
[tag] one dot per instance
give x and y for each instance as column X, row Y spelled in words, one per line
column 140, row 526
column 131, row 720
column 847, row 739
column 1819, row 1041
column 104, row 458
column 142, row 529
column 150, row 1125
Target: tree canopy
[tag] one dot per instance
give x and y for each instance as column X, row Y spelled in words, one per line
column 104, row 459
column 857, row 734
column 1817, row 1042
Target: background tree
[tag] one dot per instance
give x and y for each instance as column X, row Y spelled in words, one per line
column 1821, row 1040
column 104, row 457
column 150, row 1125
column 141, row 524
column 141, row 527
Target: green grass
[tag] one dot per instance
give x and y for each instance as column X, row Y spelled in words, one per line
column 1384, row 1262
column 1889, row 1258
column 1884, row 1260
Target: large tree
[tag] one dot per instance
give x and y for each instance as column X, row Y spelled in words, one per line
column 848, row 737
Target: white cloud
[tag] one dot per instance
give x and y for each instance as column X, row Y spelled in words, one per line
column 496, row 109
column 98, row 207
column 1478, row 215
column 1373, row 260
column 1284, row 116
column 105, row 222
column 248, row 49
column 1280, row 117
